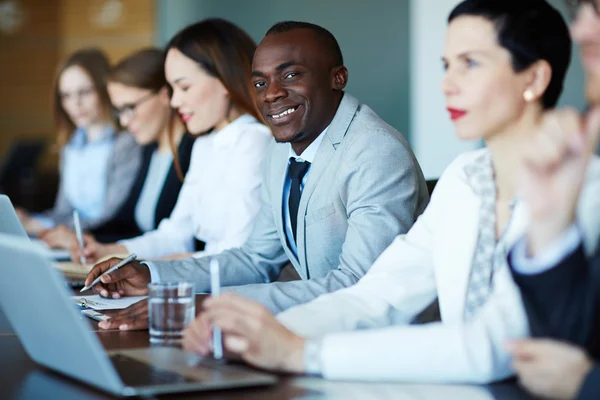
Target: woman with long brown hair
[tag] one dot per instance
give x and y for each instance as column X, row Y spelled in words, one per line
column 208, row 67
column 140, row 98
column 98, row 163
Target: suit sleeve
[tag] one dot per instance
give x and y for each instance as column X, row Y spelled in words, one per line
column 561, row 302
column 590, row 390
column 384, row 192
column 259, row 259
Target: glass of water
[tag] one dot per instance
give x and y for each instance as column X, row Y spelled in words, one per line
column 171, row 306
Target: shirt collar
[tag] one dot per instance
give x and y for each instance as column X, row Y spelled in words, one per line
column 79, row 138
column 221, row 138
column 310, row 152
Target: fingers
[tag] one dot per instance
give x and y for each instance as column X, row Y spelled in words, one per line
column 128, row 271
column 197, row 336
column 560, row 133
column 101, row 268
column 134, row 317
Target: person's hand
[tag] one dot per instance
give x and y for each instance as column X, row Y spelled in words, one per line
column 130, row 280
column 549, row 368
column 249, row 330
column 134, row 317
column 31, row 225
column 94, row 250
column 60, row 237
column 553, row 173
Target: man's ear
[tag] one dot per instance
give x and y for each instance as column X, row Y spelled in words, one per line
column 340, row 78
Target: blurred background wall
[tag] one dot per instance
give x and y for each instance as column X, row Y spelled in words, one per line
column 392, row 49
column 35, row 35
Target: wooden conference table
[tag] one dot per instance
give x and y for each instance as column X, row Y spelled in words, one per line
column 21, row 378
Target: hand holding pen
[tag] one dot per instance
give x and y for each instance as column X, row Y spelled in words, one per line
column 131, row 279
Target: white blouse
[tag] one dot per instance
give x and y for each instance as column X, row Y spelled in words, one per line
column 220, row 196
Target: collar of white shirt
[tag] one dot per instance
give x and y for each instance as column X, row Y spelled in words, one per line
column 223, row 138
column 311, row 151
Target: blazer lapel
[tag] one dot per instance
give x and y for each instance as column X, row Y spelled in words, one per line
column 333, row 137
column 458, row 259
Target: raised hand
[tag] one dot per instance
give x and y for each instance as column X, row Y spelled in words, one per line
column 554, row 171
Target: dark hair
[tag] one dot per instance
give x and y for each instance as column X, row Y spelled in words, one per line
column 144, row 69
column 331, row 41
column 225, row 52
column 95, row 64
column 531, row 30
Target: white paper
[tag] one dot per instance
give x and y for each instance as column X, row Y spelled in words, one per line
column 96, row 302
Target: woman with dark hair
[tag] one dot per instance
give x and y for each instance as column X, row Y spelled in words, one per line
column 140, row 97
column 98, row 163
column 208, row 68
column 505, row 63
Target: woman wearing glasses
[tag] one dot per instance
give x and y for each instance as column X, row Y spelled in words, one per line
column 140, row 97
column 98, row 164
column 208, row 68
column 139, row 94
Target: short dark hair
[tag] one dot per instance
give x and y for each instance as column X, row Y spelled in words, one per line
column 332, row 43
column 531, row 30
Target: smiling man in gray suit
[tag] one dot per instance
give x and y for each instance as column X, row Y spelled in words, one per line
column 340, row 184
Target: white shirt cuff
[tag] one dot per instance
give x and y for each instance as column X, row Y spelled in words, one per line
column 154, row 275
column 547, row 259
column 312, row 357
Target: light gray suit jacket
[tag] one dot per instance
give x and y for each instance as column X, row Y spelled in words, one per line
column 123, row 166
column 364, row 188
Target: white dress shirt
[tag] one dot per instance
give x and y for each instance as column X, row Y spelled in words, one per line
column 219, row 197
column 307, row 155
column 365, row 329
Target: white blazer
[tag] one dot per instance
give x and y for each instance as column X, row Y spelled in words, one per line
column 432, row 260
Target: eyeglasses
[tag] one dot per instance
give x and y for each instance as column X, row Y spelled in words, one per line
column 575, row 4
column 128, row 110
column 79, row 94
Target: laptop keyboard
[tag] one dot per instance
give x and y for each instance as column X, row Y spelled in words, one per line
column 136, row 373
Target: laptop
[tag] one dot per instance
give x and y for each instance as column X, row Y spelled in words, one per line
column 55, row 334
column 10, row 223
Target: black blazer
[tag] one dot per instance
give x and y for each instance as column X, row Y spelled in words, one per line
column 564, row 303
column 123, row 225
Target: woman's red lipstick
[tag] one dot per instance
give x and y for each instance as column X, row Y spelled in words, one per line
column 456, row 114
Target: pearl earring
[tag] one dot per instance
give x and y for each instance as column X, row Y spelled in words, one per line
column 528, row 95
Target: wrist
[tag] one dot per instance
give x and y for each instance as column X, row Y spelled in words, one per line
column 295, row 359
column 543, row 233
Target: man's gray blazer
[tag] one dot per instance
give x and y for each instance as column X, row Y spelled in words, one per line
column 364, row 188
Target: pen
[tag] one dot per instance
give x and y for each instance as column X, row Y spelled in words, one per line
column 215, row 290
column 124, row 262
column 77, row 226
